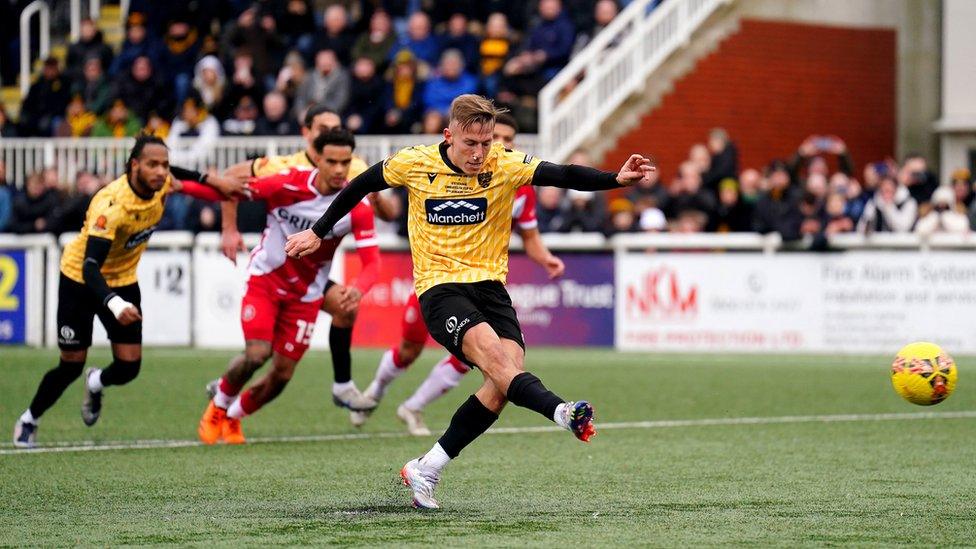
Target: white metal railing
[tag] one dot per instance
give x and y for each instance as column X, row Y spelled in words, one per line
column 24, row 156
column 94, row 11
column 614, row 65
column 37, row 6
column 596, row 242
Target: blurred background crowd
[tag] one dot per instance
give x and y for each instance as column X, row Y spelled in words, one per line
column 211, row 68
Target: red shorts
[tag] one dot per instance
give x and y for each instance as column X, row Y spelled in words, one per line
column 414, row 329
column 270, row 313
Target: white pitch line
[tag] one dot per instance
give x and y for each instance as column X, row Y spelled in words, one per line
column 660, row 424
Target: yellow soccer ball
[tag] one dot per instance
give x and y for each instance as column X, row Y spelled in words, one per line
column 923, row 373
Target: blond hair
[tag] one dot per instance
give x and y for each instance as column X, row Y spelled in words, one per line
column 470, row 109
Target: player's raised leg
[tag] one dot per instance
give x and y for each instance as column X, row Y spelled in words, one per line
column 489, row 336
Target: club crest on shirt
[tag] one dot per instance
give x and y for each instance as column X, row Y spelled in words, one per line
column 484, row 179
column 100, row 223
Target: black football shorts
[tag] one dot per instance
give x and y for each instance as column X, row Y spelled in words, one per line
column 451, row 309
column 77, row 307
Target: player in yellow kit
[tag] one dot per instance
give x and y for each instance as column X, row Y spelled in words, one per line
column 461, row 193
column 98, row 277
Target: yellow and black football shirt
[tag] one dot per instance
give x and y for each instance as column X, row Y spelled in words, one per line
column 118, row 214
column 271, row 165
column 459, row 224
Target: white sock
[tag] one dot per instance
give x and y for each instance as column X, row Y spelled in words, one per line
column 338, row 388
column 442, row 378
column 560, row 416
column 234, row 411
column 386, row 372
column 222, row 399
column 435, row 459
column 28, row 417
column 94, row 382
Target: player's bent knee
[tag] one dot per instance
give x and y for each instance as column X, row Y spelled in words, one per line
column 256, row 354
column 283, row 370
column 492, row 358
column 128, row 370
column 75, row 356
column 344, row 319
column 69, row 369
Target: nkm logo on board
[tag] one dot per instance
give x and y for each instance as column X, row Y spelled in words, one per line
column 467, row 211
column 660, row 294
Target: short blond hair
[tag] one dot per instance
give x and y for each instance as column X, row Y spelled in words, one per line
column 470, row 109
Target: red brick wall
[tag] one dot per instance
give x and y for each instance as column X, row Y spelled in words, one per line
column 772, row 84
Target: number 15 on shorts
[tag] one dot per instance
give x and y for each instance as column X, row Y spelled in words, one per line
column 304, row 333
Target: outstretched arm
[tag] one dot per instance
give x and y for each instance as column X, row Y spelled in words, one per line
column 308, row 241
column 582, row 178
column 226, row 186
column 96, row 251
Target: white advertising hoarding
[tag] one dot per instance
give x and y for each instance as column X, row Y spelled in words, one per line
column 855, row 302
column 164, row 282
column 219, row 286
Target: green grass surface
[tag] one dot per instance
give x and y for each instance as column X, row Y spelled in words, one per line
column 867, row 483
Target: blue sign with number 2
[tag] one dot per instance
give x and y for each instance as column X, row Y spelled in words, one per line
column 13, row 302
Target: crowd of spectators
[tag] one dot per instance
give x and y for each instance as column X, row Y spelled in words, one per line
column 206, row 68
column 251, row 68
column 813, row 194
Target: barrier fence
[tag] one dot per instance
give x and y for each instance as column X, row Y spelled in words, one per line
column 24, row 156
column 648, row 292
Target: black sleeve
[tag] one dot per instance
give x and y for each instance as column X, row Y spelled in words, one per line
column 572, row 176
column 370, row 181
column 95, row 253
column 187, row 175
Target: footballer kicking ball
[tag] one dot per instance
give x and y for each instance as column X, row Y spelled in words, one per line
column 923, row 373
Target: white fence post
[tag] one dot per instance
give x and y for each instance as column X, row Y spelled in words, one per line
column 25, row 40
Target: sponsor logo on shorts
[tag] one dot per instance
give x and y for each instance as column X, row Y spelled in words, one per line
column 457, row 330
column 67, row 335
column 248, row 313
column 451, row 324
column 289, row 346
column 469, row 211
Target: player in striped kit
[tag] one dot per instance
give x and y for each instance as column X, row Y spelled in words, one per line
column 447, row 373
column 461, row 193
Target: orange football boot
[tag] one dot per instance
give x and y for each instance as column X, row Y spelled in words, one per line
column 212, row 424
column 231, row 431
